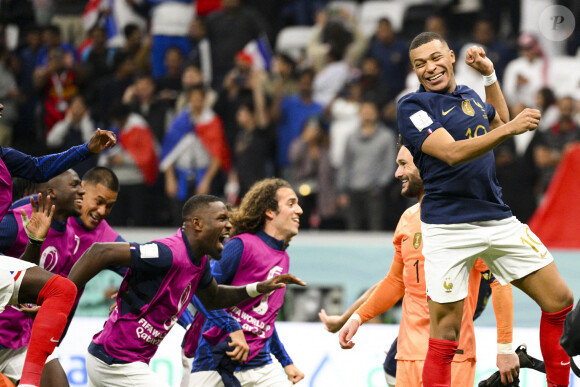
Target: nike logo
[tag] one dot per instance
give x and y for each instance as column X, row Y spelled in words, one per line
column 564, row 364
column 404, row 239
column 545, row 252
column 447, row 112
column 53, row 340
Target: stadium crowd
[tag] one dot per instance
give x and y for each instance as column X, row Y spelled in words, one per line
column 205, row 98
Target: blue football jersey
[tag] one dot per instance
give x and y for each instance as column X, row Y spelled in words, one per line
column 465, row 193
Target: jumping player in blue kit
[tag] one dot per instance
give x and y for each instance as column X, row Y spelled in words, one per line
column 451, row 133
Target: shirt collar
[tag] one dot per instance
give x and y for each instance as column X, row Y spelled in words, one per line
column 459, row 89
column 58, row 226
column 189, row 249
column 272, row 242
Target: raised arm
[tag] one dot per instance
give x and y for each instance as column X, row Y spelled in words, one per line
column 98, row 257
column 476, row 58
column 36, row 227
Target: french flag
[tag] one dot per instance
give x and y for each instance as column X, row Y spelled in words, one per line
column 260, row 51
column 100, row 11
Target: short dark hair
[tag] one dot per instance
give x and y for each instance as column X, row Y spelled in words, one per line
column 120, row 111
column 130, row 29
column 195, row 203
column 197, row 87
column 104, row 176
column 424, row 38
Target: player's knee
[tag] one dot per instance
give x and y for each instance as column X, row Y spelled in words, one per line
column 566, row 298
column 59, row 287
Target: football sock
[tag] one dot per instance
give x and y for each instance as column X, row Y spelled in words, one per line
column 437, row 368
column 556, row 360
column 56, row 299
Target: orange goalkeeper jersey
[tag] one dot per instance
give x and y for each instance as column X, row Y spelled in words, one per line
column 407, row 277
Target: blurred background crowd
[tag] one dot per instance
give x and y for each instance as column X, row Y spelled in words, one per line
column 209, row 96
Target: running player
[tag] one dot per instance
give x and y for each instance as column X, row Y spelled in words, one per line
column 268, row 218
column 406, row 277
column 163, row 276
column 451, row 133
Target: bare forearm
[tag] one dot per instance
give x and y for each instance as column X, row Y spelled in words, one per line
column 494, row 96
column 225, row 296
column 95, row 259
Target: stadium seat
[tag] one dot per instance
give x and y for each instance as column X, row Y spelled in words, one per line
column 563, row 75
column 372, row 11
column 349, row 6
column 294, row 40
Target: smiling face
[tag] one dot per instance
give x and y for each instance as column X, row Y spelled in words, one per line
column 215, row 228
column 66, row 194
column 433, row 64
column 98, row 202
column 408, row 174
column 283, row 223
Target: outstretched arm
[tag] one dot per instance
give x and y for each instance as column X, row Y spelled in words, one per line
column 221, row 296
column 98, row 257
column 334, row 323
column 388, row 292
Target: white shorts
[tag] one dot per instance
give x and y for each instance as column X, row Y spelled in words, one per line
column 12, row 362
column 137, row 374
column 11, row 275
column 508, row 247
column 270, row 375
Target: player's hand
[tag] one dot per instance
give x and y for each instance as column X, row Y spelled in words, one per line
column 476, row 58
column 101, row 140
column 38, row 225
column 278, row 282
column 29, row 309
column 331, row 323
column 527, row 120
column 347, row 333
column 241, row 348
column 509, row 367
column 294, row 374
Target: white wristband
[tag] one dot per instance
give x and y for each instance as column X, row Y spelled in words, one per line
column 505, row 348
column 357, row 318
column 252, row 289
column 490, row 79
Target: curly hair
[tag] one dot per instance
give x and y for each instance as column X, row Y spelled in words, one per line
column 250, row 217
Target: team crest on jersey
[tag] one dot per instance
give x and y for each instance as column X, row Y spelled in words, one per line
column 49, row 258
column 467, row 108
column 417, row 240
column 448, row 285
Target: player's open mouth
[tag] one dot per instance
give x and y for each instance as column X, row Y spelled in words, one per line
column 95, row 219
column 297, row 221
column 435, row 77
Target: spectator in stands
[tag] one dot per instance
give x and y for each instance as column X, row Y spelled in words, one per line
column 373, row 87
column 282, row 76
column 200, row 49
column 52, row 38
column 484, row 33
column 331, row 78
column 229, row 30
column 134, row 161
column 170, row 20
column 191, row 77
column 26, row 127
column 367, row 170
column 143, row 100
column 98, row 59
column 169, row 85
column 344, row 117
column 77, row 127
column 554, row 141
column 9, row 93
column 546, row 103
column 392, row 56
column 312, row 174
column 291, row 113
column 68, row 17
column 136, row 47
column 57, row 82
column 109, row 92
column 437, row 23
column 252, row 151
column 525, row 75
